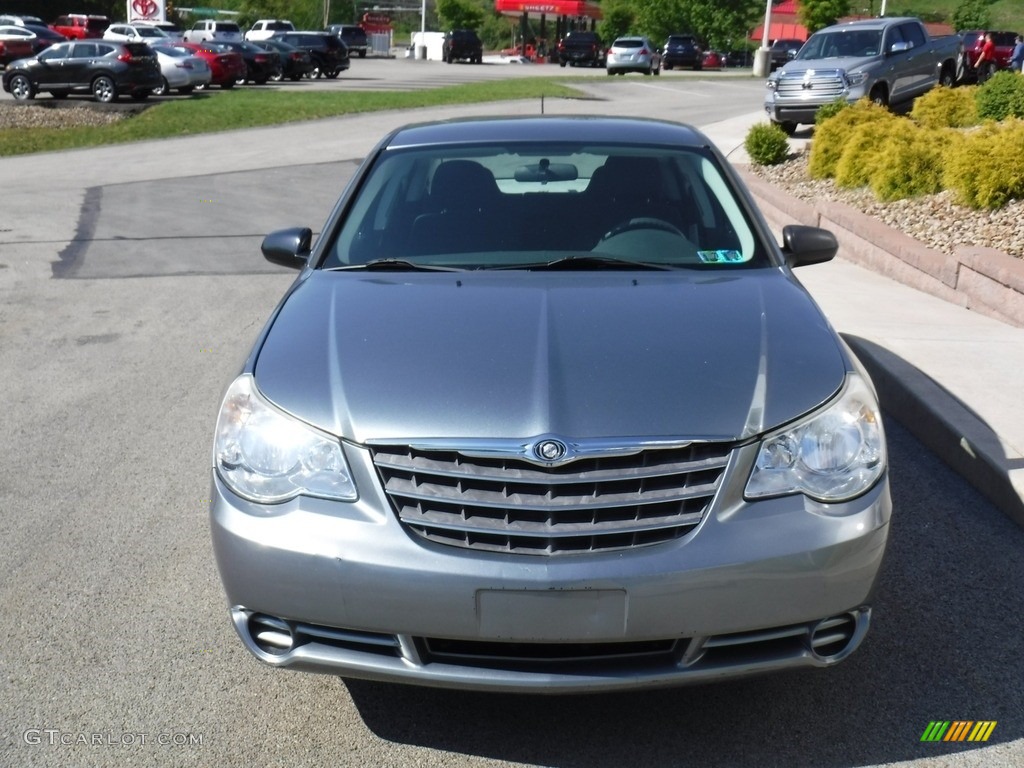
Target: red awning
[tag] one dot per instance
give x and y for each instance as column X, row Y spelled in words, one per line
column 779, row 31
column 575, row 8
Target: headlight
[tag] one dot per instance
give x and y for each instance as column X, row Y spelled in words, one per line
column 835, row 455
column 856, row 78
column 266, row 456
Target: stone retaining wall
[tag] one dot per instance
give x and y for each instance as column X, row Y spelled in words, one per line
column 982, row 279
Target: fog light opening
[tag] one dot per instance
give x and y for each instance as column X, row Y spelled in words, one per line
column 271, row 635
column 834, row 638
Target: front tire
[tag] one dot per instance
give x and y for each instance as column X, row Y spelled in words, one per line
column 333, row 74
column 880, row 96
column 163, row 89
column 21, row 88
column 104, row 90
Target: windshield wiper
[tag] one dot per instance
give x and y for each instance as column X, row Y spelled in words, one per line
column 589, row 261
column 393, row 265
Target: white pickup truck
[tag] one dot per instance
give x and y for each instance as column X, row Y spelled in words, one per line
column 888, row 60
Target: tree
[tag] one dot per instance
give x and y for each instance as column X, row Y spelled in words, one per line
column 972, row 14
column 717, row 22
column 304, row 14
column 618, row 20
column 459, row 14
column 818, row 14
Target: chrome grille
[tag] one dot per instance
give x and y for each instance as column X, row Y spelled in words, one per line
column 508, row 504
column 824, row 84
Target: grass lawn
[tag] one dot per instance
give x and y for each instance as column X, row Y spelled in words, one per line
column 218, row 110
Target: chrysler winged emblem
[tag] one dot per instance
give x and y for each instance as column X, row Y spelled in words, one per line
column 550, row 450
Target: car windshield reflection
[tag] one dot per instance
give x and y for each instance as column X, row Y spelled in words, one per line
column 501, row 206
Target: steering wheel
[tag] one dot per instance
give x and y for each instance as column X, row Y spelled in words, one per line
column 643, row 222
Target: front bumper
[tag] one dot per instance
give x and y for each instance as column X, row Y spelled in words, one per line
column 344, row 589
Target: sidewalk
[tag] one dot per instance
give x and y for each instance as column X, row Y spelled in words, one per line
column 951, row 376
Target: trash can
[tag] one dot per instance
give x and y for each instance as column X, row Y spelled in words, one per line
column 421, row 52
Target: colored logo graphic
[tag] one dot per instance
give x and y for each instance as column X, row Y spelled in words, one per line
column 147, row 9
column 958, row 730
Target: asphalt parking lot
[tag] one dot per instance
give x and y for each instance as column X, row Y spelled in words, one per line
column 130, row 289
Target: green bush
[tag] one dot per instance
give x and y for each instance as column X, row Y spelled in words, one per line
column 831, row 135
column 909, row 162
column 766, row 144
column 831, row 109
column 986, row 168
column 1001, row 96
column 943, row 107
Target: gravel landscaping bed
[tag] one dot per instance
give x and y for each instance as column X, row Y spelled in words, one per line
column 934, row 220
column 64, row 113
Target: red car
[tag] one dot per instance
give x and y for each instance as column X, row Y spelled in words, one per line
column 228, row 67
column 79, row 26
column 14, row 48
column 713, row 60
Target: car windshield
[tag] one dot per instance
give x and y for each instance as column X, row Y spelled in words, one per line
column 507, row 206
column 830, row 45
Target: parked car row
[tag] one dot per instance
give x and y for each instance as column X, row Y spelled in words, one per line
column 108, row 60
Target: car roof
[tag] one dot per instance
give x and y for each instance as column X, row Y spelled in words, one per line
column 577, row 129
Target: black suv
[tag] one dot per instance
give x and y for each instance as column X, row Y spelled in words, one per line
column 783, row 51
column 581, row 48
column 329, row 53
column 464, row 45
column 104, row 68
column 682, row 51
column 353, row 36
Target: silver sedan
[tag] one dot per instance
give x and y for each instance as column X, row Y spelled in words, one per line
column 181, row 71
column 633, row 54
column 546, row 410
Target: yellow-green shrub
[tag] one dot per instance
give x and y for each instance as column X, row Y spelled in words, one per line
column 831, row 135
column 943, row 107
column 909, row 162
column 986, row 168
column 859, row 154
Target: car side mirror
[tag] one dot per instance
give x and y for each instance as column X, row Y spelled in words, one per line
column 808, row 245
column 288, row 247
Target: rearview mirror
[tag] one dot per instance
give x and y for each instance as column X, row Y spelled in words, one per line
column 545, row 171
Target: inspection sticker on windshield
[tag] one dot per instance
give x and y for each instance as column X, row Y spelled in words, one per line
column 720, row 257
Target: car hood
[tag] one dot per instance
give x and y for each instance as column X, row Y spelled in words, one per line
column 701, row 355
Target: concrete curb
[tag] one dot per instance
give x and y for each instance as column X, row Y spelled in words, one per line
column 947, row 426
